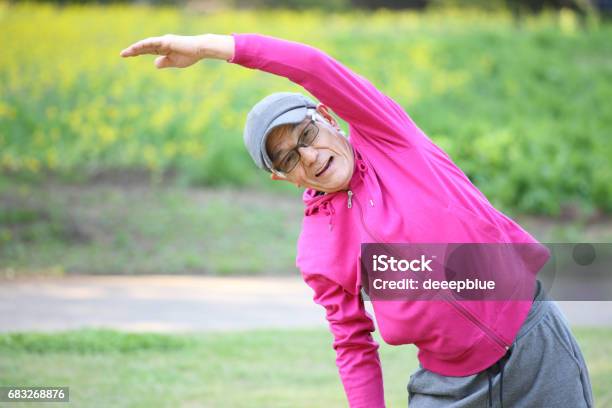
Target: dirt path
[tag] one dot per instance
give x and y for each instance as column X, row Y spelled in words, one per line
column 156, row 303
column 184, row 303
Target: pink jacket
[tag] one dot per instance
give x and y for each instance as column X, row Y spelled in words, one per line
column 404, row 189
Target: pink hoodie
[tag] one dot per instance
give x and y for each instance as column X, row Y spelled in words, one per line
column 404, row 189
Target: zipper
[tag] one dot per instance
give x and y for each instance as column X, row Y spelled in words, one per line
column 461, row 309
column 448, row 297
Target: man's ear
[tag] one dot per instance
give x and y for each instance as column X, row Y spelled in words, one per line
column 326, row 113
column 275, row 176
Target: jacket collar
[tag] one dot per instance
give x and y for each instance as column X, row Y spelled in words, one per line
column 315, row 202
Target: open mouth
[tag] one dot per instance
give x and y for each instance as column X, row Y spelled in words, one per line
column 324, row 169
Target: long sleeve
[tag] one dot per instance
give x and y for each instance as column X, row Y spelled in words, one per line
column 351, row 96
column 356, row 351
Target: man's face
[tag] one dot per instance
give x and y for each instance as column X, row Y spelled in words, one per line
column 326, row 165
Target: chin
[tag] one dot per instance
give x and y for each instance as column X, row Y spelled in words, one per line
column 336, row 182
column 335, row 185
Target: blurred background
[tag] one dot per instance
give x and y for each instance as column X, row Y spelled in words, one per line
column 127, row 200
column 109, row 165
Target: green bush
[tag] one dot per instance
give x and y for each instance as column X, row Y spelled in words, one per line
column 523, row 110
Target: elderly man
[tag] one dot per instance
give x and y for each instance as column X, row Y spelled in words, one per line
column 388, row 182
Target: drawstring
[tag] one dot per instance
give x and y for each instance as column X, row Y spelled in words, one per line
column 361, row 166
column 499, row 365
column 501, row 383
column 490, row 396
column 323, row 206
column 328, row 209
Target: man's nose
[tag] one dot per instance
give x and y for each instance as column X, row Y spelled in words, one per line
column 308, row 155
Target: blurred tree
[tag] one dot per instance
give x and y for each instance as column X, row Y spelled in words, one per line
column 582, row 8
column 539, row 5
column 292, row 4
column 390, row 4
column 481, row 4
column 519, row 7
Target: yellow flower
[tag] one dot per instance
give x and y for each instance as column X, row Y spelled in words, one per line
column 170, row 149
column 52, row 159
column 39, row 138
column 51, row 112
column 107, row 135
column 7, row 111
column 32, row 164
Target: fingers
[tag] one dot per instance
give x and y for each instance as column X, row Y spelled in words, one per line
column 163, row 62
column 152, row 45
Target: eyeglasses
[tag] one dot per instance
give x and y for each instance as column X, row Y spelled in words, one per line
column 308, row 136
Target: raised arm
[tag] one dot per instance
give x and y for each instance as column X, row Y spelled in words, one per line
column 348, row 94
column 373, row 114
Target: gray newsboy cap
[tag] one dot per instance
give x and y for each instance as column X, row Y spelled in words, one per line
column 279, row 108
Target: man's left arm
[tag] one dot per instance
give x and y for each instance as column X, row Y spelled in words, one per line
column 357, row 356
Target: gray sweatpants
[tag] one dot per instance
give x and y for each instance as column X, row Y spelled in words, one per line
column 544, row 368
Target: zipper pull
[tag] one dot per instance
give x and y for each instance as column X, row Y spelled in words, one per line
column 350, row 201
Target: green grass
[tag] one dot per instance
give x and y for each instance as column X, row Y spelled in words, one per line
column 109, row 229
column 106, row 228
column 261, row 368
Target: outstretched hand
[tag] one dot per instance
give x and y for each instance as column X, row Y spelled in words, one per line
column 176, row 51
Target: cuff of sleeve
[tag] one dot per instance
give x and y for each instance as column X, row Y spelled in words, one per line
column 235, row 56
column 367, row 401
column 240, row 56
